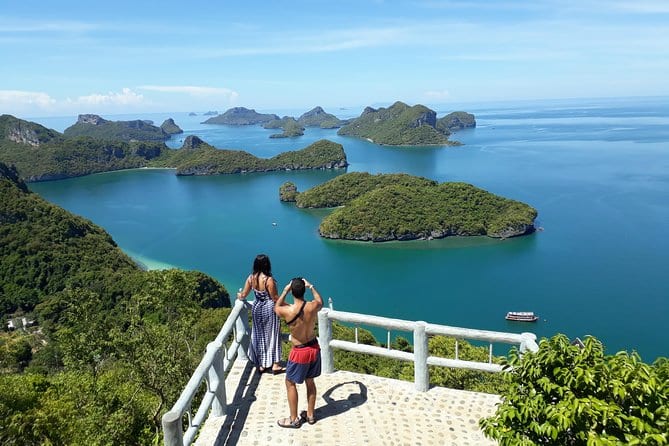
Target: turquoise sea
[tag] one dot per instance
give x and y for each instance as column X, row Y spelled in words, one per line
column 597, row 171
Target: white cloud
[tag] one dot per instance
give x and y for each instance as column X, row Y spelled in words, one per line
column 17, row 99
column 125, row 97
column 193, row 90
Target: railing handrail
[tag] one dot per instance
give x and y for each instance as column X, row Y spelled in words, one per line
column 421, row 330
column 213, row 367
column 212, row 370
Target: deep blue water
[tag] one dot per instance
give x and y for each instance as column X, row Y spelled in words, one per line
column 596, row 170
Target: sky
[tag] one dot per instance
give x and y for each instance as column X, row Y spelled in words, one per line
column 62, row 58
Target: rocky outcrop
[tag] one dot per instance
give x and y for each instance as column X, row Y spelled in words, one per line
column 514, row 231
column 91, row 119
column 288, row 192
column 23, row 136
column 192, row 142
column 170, row 127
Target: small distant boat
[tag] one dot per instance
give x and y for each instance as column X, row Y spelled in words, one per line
column 522, row 316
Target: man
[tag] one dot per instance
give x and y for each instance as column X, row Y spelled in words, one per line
column 304, row 361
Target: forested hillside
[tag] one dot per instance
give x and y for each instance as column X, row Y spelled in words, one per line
column 112, row 346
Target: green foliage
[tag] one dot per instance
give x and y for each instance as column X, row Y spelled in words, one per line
column 241, row 116
column 20, row 131
column 116, row 344
column 76, row 157
column 455, row 121
column 397, row 125
column 207, row 160
column 567, row 395
column 288, row 192
column 317, row 117
column 44, row 249
column 73, row 408
column 342, row 189
column 402, row 207
column 136, row 130
column 290, row 128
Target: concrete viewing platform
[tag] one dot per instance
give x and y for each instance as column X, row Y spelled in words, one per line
column 351, row 409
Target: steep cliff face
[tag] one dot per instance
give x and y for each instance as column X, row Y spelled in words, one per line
column 170, row 127
column 192, row 142
column 25, row 132
column 91, row 119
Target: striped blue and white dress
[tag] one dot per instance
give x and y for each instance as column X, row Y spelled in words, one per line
column 265, row 348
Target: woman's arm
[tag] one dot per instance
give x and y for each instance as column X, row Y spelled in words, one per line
column 241, row 295
column 271, row 289
column 281, row 301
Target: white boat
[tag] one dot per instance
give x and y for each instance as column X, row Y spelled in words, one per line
column 522, row 316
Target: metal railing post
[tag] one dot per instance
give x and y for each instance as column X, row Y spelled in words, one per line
column 217, row 383
column 172, row 429
column 243, row 333
column 324, row 338
column 529, row 342
column 420, row 351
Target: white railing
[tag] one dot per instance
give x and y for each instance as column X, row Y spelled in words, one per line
column 211, row 372
column 421, row 331
column 220, row 356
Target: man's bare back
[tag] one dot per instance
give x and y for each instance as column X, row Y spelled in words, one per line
column 301, row 315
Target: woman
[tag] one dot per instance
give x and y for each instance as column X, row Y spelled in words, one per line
column 265, row 348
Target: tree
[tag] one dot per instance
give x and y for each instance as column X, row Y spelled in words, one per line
column 570, row 395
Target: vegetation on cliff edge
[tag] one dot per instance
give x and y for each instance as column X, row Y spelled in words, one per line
column 403, row 207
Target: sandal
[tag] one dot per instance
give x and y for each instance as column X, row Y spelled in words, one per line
column 287, row 422
column 278, row 371
column 304, row 418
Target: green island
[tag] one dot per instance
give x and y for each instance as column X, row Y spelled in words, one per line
column 199, row 158
column 241, row 116
column 41, row 154
column 387, row 207
column 96, row 127
column 290, row 126
column 317, row 117
column 402, row 125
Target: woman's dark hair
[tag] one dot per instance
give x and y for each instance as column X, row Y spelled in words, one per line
column 261, row 264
